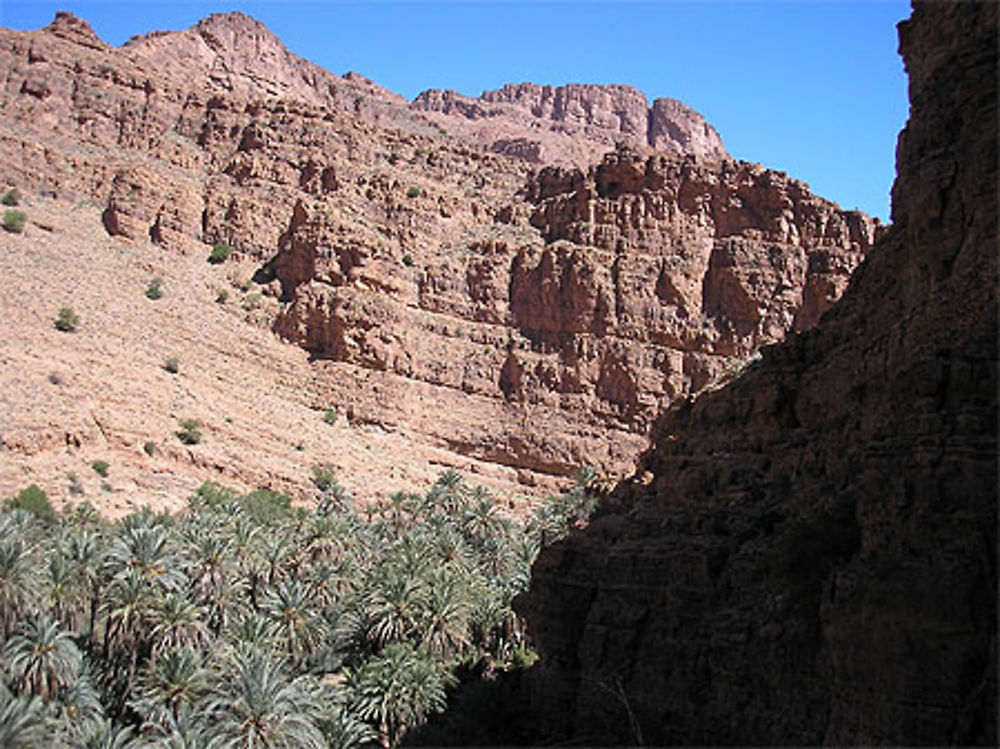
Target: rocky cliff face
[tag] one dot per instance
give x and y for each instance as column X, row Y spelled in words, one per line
column 525, row 320
column 808, row 555
column 574, row 124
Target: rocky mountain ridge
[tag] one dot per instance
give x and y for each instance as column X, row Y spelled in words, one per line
column 808, row 555
column 523, row 321
column 573, row 124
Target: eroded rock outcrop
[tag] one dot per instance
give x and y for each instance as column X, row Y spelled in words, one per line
column 573, row 124
column 808, row 555
column 530, row 319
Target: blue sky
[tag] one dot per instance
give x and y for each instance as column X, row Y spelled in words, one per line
column 812, row 87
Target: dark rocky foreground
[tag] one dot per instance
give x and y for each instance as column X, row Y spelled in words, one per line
column 811, row 555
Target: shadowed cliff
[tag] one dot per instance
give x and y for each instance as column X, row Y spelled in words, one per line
column 811, row 555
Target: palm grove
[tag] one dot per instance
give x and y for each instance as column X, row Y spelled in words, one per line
column 245, row 622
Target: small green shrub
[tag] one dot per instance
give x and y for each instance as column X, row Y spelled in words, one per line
column 324, row 477
column 11, row 197
column 414, row 192
column 67, row 320
column 190, row 431
column 330, row 416
column 155, row 289
column 211, row 494
column 13, row 221
column 266, row 507
column 106, row 487
column 222, row 297
column 172, row 365
column 32, row 499
column 149, row 448
column 220, row 253
column 408, row 260
column 100, row 468
column 252, row 301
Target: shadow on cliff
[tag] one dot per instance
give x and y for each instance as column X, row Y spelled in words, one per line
column 809, row 556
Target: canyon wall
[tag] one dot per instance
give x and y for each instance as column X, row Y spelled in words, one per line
column 527, row 319
column 808, row 555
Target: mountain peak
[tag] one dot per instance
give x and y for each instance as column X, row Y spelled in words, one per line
column 72, row 28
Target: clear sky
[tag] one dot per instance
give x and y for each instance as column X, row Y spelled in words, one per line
column 812, row 87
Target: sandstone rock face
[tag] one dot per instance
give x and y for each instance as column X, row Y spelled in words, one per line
column 526, row 319
column 808, row 555
column 574, row 124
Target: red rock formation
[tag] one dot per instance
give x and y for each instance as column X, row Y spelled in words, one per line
column 808, row 555
column 572, row 125
column 536, row 321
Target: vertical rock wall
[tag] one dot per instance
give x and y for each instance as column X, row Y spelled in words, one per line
column 811, row 555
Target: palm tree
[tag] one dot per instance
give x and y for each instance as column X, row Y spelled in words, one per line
column 251, row 631
column 176, row 622
column 109, row 736
column 444, row 622
column 397, row 690
column 78, row 709
column 392, row 606
column 257, row 707
column 43, row 657
column 146, row 550
column 22, row 722
column 84, row 550
column 213, row 575
column 176, row 679
column 63, row 590
column 18, row 579
column 289, row 606
column 451, row 550
column 126, row 608
column 343, row 729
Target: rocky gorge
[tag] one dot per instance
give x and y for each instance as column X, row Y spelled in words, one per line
column 808, row 555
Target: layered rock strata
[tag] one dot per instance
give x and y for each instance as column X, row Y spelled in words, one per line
column 808, row 555
column 529, row 320
column 574, row 124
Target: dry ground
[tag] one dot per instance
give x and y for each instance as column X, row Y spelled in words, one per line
column 102, row 392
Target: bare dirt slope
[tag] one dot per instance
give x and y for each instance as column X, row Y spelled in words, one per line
column 102, row 392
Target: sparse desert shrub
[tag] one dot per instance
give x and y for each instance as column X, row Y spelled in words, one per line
column 155, row 289
column 55, row 378
column 220, row 253
column 67, row 320
column 190, row 431
column 252, row 301
column 106, row 487
column 222, row 297
column 172, row 365
column 408, row 260
column 330, row 416
column 323, row 476
column 100, row 467
column 33, row 499
column 11, row 197
column 75, row 487
column 149, row 448
column 414, row 192
column 13, row 221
